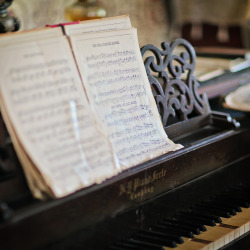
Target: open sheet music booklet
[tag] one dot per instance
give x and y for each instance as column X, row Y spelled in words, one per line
column 78, row 105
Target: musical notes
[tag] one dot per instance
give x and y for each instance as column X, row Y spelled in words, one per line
column 79, row 109
column 120, row 95
column 50, row 113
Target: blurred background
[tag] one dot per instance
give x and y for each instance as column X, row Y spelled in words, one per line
column 224, row 23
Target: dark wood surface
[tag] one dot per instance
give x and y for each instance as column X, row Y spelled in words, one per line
column 40, row 224
column 214, row 156
column 224, row 84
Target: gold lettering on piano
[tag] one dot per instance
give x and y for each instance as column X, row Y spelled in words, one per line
column 139, row 187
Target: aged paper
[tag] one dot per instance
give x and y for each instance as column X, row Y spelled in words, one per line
column 33, row 35
column 44, row 99
column 78, row 119
column 98, row 25
column 239, row 99
column 114, row 76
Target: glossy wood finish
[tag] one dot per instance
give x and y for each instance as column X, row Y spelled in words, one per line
column 39, row 224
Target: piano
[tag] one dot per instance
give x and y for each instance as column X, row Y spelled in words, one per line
column 195, row 198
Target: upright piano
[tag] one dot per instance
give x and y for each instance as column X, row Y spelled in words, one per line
column 193, row 198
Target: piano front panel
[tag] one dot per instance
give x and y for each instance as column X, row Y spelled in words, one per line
column 124, row 224
column 213, row 223
column 133, row 198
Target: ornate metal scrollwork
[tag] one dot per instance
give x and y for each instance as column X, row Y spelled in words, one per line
column 173, row 84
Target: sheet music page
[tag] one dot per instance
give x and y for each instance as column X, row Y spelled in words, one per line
column 29, row 35
column 239, row 99
column 34, row 179
column 44, row 98
column 97, row 25
column 116, row 83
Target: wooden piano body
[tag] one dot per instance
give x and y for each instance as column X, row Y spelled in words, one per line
column 216, row 155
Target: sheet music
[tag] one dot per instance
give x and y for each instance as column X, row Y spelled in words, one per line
column 97, row 25
column 239, row 99
column 49, row 111
column 114, row 76
column 30, row 35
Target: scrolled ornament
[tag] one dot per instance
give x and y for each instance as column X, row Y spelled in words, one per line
column 170, row 73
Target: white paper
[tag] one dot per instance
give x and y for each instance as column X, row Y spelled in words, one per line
column 48, row 108
column 119, row 92
column 239, row 99
column 97, row 25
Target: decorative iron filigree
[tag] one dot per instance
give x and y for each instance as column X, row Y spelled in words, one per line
column 175, row 91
